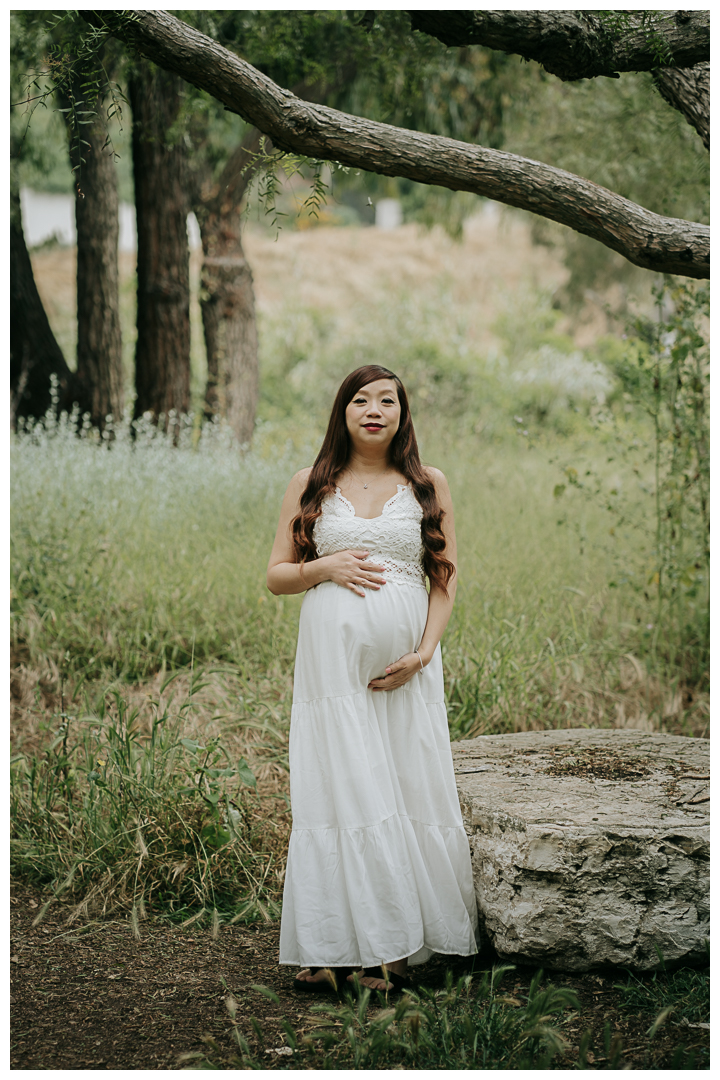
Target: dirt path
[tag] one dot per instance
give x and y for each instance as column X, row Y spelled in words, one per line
column 91, row 997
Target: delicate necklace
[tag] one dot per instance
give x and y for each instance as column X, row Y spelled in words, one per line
column 384, row 473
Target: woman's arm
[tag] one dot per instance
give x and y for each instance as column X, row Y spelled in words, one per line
column 346, row 568
column 439, row 605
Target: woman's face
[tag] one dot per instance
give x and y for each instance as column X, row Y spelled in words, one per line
column 373, row 415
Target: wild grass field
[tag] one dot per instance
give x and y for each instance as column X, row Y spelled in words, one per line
column 151, row 667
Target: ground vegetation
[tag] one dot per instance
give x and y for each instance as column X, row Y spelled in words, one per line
column 92, row 995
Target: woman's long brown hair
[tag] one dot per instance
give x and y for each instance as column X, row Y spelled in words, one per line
column 404, row 456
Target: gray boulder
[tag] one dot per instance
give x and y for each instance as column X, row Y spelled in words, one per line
column 589, row 847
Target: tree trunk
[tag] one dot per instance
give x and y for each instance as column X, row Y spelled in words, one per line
column 162, row 355
column 228, row 298
column 227, row 295
column 665, row 245
column 34, row 353
column 228, row 313
column 100, row 377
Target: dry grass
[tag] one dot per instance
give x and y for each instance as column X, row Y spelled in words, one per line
column 630, row 698
column 623, row 696
column 343, row 271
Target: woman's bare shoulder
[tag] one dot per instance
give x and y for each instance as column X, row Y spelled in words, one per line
column 295, row 488
column 436, row 475
column 442, row 488
column 300, row 479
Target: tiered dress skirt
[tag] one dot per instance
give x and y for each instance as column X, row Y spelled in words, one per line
column 379, row 864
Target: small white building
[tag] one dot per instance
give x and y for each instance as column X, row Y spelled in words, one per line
column 388, row 214
column 46, row 216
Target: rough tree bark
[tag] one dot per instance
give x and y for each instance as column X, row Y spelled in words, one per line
column 227, row 297
column 34, row 353
column 666, row 245
column 688, row 91
column 162, row 354
column 577, row 44
column 99, row 382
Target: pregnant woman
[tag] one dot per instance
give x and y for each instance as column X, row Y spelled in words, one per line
column 378, row 873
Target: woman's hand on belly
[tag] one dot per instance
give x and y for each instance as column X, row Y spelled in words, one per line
column 397, row 674
column 347, row 568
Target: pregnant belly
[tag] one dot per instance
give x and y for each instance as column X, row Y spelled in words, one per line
column 346, row 640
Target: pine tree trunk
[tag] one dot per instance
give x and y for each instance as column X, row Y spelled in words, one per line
column 34, row 353
column 228, row 313
column 162, row 355
column 99, row 344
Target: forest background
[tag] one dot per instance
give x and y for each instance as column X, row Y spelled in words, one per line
column 561, row 389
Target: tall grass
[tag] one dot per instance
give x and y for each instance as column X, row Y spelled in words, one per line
column 134, row 558
column 119, row 815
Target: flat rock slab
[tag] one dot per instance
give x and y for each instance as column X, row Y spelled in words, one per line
column 589, row 847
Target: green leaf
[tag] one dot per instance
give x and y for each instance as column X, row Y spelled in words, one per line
column 215, row 837
column 192, row 746
column 245, row 773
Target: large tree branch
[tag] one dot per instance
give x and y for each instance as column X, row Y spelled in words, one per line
column 666, row 245
column 578, row 44
column 688, row 91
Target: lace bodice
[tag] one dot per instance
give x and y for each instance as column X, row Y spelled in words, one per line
column 393, row 539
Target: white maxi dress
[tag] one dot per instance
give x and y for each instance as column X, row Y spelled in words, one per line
column 379, row 863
